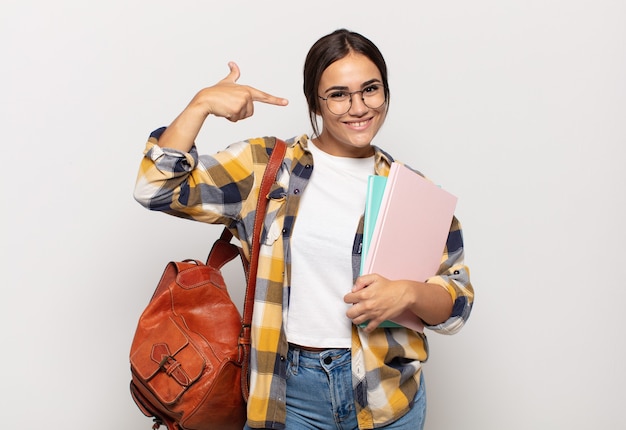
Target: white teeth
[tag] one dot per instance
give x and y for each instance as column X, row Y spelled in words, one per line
column 358, row 124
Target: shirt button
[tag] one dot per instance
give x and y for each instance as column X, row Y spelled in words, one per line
column 296, row 191
column 308, row 166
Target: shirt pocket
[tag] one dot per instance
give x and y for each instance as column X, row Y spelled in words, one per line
column 275, row 214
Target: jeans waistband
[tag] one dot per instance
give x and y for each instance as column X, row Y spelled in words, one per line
column 312, row 351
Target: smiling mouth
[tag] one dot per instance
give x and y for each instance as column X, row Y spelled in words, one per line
column 358, row 123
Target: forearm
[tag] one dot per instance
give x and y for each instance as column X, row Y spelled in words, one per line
column 430, row 302
column 183, row 131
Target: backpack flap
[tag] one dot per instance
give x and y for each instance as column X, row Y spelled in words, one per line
column 167, row 362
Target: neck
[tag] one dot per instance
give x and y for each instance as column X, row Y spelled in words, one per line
column 343, row 150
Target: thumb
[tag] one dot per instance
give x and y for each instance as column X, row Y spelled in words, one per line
column 234, row 73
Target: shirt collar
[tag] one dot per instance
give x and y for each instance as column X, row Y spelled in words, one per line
column 382, row 160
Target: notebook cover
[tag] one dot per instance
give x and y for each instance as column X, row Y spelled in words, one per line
column 410, row 232
column 375, row 189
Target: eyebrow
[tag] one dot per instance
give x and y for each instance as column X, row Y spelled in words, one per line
column 344, row 88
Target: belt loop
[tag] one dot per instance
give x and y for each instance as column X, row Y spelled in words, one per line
column 295, row 357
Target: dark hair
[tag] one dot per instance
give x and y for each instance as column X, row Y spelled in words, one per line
column 327, row 50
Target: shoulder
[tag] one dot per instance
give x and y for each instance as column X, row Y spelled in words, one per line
column 384, row 160
column 262, row 147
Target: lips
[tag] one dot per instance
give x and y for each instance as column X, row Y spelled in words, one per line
column 357, row 124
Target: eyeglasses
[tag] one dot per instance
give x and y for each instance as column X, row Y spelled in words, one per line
column 340, row 102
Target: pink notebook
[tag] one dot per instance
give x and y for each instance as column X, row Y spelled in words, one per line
column 410, row 231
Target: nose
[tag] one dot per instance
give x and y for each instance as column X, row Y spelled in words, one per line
column 358, row 106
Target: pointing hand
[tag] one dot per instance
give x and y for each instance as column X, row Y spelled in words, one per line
column 233, row 101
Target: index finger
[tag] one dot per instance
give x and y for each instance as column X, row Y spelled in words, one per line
column 263, row 97
column 362, row 282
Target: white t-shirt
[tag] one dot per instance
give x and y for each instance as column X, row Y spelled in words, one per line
column 321, row 250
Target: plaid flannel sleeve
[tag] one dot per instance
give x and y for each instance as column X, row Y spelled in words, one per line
column 204, row 188
column 453, row 275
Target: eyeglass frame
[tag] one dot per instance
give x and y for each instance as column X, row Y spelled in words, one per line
column 351, row 93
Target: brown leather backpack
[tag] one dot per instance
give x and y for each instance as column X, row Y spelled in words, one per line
column 190, row 357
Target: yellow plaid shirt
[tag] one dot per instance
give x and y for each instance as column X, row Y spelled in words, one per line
column 223, row 189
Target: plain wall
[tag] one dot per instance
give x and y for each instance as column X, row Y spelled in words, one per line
column 517, row 107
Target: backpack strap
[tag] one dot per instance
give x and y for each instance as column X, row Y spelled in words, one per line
column 269, row 176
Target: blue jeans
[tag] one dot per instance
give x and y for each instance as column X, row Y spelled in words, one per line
column 320, row 396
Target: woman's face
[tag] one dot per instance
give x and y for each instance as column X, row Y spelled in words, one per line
column 350, row 134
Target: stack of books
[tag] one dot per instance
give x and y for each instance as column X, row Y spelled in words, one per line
column 407, row 221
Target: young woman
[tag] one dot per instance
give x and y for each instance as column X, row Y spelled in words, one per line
column 319, row 359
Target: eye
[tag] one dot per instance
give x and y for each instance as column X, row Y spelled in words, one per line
column 372, row 89
column 338, row 95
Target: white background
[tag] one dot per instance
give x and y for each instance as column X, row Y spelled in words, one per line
column 518, row 107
